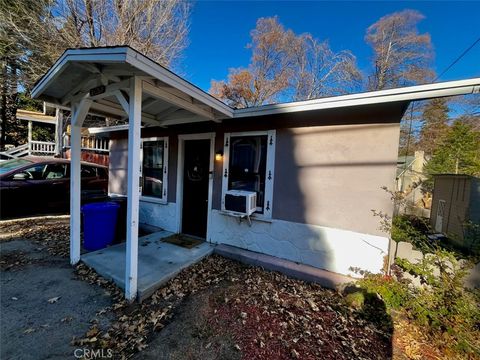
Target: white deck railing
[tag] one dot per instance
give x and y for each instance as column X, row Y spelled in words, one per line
column 90, row 143
column 42, row 147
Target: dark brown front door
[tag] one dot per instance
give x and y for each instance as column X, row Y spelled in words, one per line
column 195, row 187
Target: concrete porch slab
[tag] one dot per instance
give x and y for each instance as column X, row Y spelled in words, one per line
column 158, row 261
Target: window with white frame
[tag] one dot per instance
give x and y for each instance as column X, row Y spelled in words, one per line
column 154, row 168
column 248, row 164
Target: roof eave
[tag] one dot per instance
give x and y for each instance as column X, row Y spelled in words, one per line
column 405, row 94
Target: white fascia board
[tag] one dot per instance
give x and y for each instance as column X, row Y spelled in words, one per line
column 43, row 121
column 158, row 72
column 406, row 94
column 107, row 129
column 112, row 54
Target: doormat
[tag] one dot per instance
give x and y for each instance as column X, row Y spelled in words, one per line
column 183, row 241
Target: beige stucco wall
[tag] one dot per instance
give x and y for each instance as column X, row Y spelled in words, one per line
column 324, row 175
column 332, row 175
column 329, row 166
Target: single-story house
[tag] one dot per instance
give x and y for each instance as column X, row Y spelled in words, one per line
column 456, row 209
column 311, row 171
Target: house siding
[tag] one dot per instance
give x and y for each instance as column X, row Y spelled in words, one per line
column 327, row 181
column 333, row 176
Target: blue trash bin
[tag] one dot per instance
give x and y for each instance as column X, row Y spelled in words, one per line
column 99, row 224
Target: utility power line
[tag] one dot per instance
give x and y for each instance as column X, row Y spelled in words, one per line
column 458, row 59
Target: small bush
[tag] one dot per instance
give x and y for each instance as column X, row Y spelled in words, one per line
column 394, row 294
column 447, row 312
column 442, row 305
column 411, row 229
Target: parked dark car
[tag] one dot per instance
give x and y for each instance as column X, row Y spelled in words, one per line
column 33, row 185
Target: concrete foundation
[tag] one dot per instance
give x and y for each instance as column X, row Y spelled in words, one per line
column 303, row 272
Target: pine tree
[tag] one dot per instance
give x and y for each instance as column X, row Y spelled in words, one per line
column 459, row 153
column 434, row 125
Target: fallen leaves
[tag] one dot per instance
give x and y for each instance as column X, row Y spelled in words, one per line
column 52, row 232
column 269, row 315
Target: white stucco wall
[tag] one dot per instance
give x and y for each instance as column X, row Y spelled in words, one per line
column 160, row 215
column 322, row 247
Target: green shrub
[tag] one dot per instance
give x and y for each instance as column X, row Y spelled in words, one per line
column 394, row 294
column 442, row 306
column 413, row 230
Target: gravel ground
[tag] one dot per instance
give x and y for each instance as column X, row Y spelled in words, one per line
column 43, row 305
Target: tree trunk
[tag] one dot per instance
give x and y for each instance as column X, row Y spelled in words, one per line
column 3, row 108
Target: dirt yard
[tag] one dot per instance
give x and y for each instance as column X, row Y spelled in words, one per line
column 217, row 309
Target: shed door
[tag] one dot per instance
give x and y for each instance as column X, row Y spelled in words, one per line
column 440, row 215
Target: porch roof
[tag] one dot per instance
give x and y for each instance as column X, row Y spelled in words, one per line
column 100, row 74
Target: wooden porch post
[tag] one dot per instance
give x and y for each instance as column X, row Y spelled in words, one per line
column 58, row 132
column 29, row 137
column 133, row 192
column 79, row 112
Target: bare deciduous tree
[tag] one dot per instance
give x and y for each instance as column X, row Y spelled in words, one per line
column 33, row 33
column 319, row 71
column 157, row 28
column 286, row 66
column 269, row 71
column 401, row 56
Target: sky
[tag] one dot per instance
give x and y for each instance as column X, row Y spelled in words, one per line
column 220, row 31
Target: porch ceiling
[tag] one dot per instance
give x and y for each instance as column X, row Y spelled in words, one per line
column 99, row 74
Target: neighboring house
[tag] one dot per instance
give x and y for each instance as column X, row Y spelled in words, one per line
column 408, row 181
column 34, row 147
column 456, row 208
column 94, row 148
column 316, row 167
column 410, row 171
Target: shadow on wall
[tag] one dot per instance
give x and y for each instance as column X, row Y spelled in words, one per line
column 315, row 184
column 295, row 181
column 290, row 203
column 318, row 247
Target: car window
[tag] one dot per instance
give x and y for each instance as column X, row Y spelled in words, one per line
column 102, row 173
column 88, row 171
column 55, row 171
column 34, row 173
column 9, row 165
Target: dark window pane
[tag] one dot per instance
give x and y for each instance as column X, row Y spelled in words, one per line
column 55, row 171
column 152, row 168
column 102, row 173
column 247, row 165
column 88, row 171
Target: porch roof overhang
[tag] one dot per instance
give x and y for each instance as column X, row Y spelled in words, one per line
column 103, row 76
column 35, row 116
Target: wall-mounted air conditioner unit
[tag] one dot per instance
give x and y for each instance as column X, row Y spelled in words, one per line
column 239, row 202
